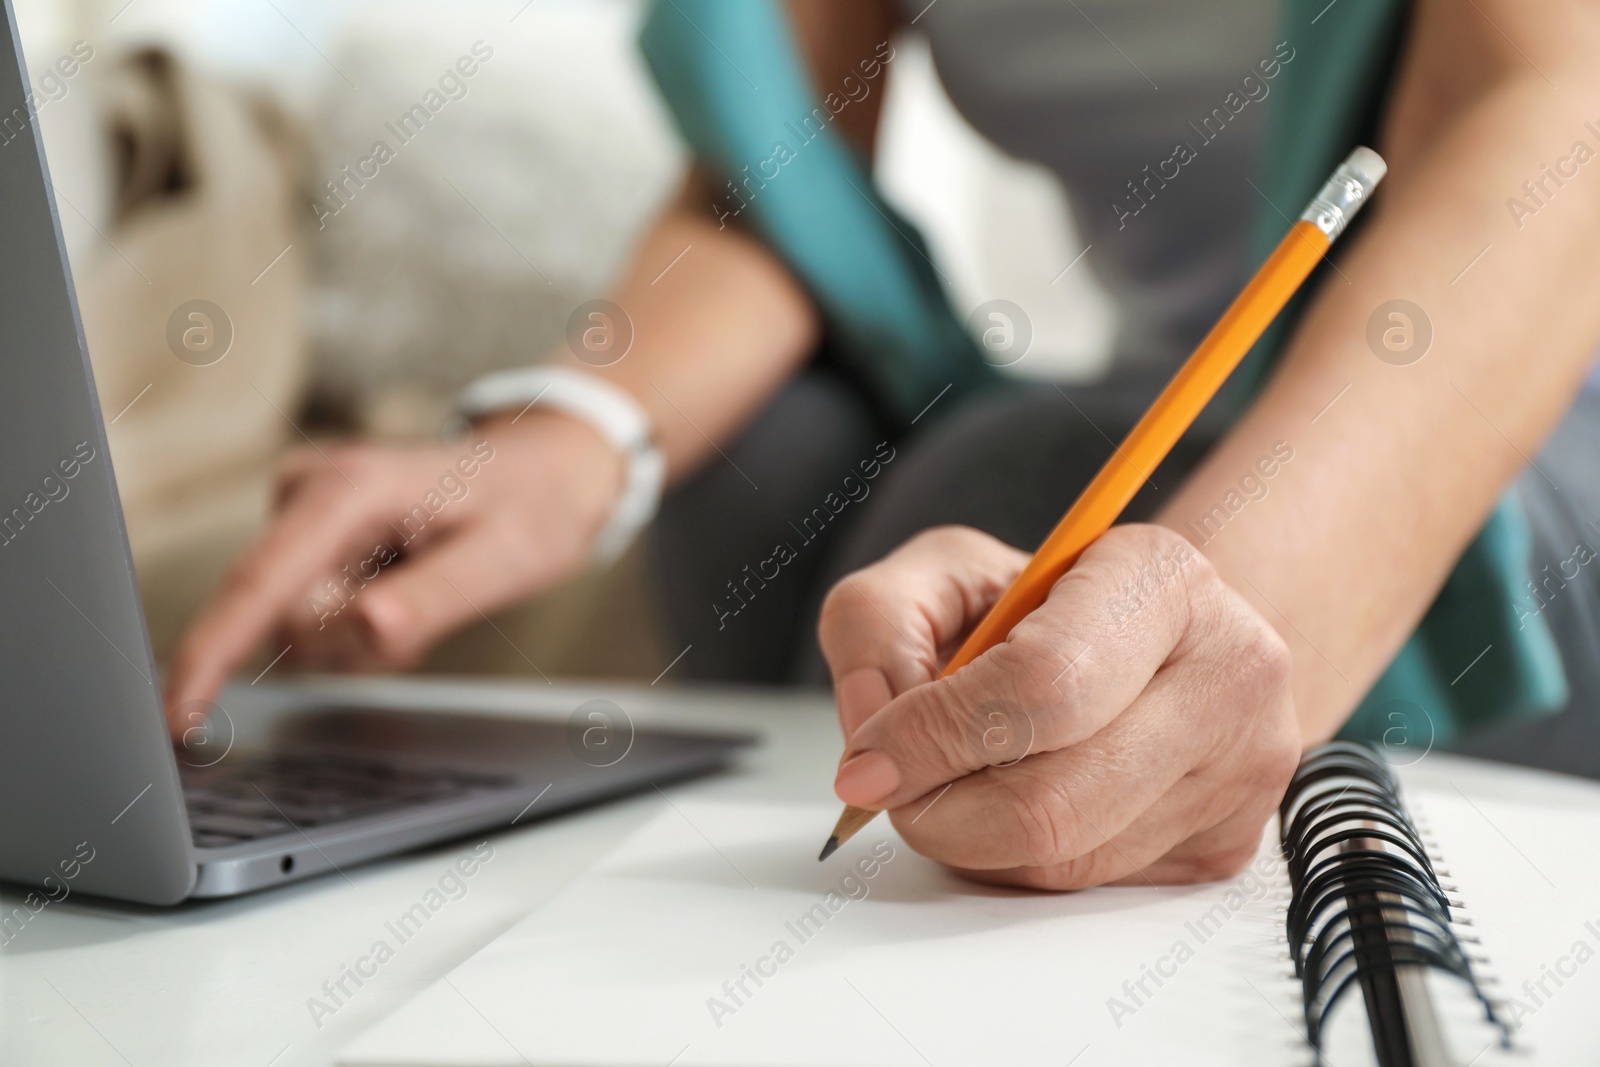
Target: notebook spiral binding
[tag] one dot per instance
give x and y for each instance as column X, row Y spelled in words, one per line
column 1368, row 909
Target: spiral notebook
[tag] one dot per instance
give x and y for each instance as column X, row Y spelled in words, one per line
column 1444, row 914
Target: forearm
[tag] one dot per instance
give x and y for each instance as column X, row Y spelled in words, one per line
column 719, row 321
column 1388, row 484
column 718, row 325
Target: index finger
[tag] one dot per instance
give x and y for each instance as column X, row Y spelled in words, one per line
column 886, row 628
column 319, row 527
column 1061, row 675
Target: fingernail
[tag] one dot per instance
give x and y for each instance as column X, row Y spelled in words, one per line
column 866, row 779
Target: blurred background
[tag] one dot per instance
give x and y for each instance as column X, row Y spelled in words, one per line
column 215, row 151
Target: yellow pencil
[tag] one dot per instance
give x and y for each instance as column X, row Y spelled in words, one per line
column 1173, row 412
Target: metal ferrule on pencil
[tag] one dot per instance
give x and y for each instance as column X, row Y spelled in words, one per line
column 1337, row 202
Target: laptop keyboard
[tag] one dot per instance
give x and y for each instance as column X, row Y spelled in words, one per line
column 245, row 799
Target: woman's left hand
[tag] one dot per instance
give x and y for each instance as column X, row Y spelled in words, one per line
column 1138, row 727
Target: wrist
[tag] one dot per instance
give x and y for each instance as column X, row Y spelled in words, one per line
column 589, row 468
column 602, row 412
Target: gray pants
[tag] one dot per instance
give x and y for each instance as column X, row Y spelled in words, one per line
column 744, row 552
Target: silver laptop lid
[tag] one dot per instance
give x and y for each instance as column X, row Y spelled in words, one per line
column 86, row 769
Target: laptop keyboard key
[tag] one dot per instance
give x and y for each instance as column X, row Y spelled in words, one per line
column 246, row 799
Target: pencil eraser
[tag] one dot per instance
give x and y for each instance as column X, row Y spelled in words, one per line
column 1368, row 166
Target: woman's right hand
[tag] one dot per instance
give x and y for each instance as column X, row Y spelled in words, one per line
column 375, row 553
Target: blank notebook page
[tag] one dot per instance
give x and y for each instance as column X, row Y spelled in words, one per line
column 712, row 936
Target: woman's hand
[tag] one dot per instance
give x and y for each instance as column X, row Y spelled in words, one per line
column 377, row 552
column 1138, row 727
column 713, row 341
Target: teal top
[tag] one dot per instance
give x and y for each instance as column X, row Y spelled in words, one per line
column 733, row 79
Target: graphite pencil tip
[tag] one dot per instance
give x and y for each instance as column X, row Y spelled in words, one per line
column 851, row 821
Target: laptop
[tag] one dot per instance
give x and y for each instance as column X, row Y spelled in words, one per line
column 93, row 796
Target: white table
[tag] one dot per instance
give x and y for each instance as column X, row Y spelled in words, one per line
column 227, row 982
